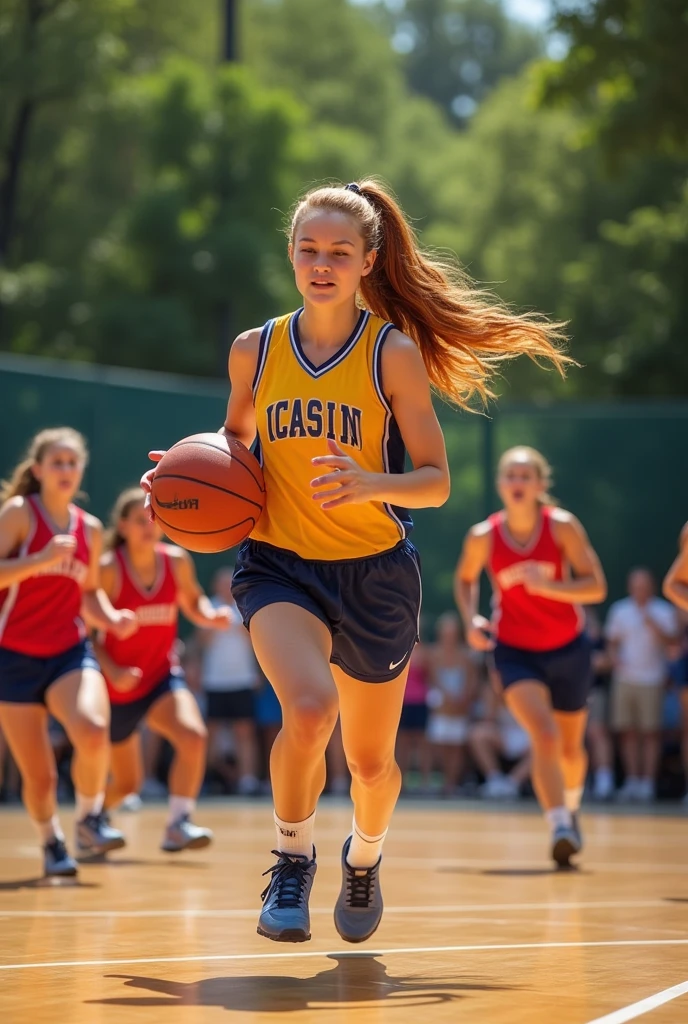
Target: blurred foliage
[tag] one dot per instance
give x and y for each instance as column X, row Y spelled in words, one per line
column 144, row 187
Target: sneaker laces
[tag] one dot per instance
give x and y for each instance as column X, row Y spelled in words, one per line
column 359, row 886
column 289, row 876
column 57, row 848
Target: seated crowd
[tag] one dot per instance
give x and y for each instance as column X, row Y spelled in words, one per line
column 456, row 737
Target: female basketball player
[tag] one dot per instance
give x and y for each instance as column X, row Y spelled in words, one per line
column 542, row 569
column 49, row 554
column 143, row 676
column 329, row 583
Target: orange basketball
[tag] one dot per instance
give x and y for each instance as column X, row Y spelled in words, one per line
column 208, row 492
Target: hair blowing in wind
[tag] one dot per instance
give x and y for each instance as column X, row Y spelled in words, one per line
column 463, row 332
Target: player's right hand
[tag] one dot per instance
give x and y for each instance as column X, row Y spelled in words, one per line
column 62, row 545
column 147, row 482
column 127, row 679
column 480, row 636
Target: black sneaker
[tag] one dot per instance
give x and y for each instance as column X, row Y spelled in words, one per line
column 358, row 910
column 57, row 862
column 95, row 835
column 565, row 843
column 285, row 916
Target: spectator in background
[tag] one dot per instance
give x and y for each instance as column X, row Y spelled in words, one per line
column 598, row 735
column 496, row 739
column 412, row 746
column 229, row 677
column 453, row 685
column 675, row 589
column 639, row 630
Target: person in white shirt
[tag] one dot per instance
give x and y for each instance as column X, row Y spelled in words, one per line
column 229, row 678
column 638, row 630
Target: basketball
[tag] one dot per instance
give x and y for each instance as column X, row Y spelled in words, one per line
column 208, row 492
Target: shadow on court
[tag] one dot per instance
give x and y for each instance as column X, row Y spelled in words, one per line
column 357, row 978
column 515, row 872
column 100, row 859
column 46, row 883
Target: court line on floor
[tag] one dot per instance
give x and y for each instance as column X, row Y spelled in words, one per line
column 401, row 951
column 644, row 1006
column 428, row 909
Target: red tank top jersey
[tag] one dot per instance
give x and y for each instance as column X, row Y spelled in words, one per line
column 41, row 616
column 151, row 648
column 525, row 620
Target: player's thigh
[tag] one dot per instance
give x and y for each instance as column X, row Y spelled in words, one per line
column 293, row 648
column 79, row 701
column 26, row 732
column 176, row 715
column 369, row 715
column 530, row 703
column 126, row 763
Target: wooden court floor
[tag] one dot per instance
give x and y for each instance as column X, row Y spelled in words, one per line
column 477, row 929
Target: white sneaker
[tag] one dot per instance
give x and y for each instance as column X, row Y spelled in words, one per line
column 132, row 803
column 629, row 791
column 495, row 788
column 646, row 791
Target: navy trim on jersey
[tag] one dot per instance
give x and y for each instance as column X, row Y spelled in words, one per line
column 263, row 346
column 339, row 355
column 393, row 449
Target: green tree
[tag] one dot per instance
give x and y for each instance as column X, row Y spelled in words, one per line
column 626, row 67
column 456, row 51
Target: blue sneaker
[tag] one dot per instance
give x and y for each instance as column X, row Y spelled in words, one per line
column 184, row 835
column 358, row 910
column 95, row 835
column 566, row 842
column 285, row 916
column 56, row 861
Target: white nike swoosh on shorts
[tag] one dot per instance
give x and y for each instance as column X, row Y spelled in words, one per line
column 396, row 664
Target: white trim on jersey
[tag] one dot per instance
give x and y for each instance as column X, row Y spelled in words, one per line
column 329, row 364
column 379, row 341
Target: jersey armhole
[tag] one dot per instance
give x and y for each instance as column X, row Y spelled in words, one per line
column 263, row 346
column 382, row 336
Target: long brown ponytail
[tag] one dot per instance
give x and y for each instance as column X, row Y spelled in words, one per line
column 125, row 504
column 462, row 331
column 22, row 480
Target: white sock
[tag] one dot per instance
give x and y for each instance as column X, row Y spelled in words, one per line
column 364, row 851
column 559, row 817
column 88, row 805
column 49, row 830
column 573, row 797
column 295, row 836
column 179, row 806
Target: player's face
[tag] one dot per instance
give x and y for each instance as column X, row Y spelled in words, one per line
column 60, row 472
column 137, row 529
column 519, row 484
column 329, row 258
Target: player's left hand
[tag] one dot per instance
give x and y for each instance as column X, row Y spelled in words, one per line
column 347, row 484
column 222, row 618
column 125, row 625
column 534, row 580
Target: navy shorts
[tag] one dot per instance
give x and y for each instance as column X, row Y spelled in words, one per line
column 370, row 605
column 566, row 671
column 126, row 718
column 26, row 680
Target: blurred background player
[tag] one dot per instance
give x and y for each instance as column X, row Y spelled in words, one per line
column 453, row 688
column 639, row 630
column 49, row 554
column 542, row 568
column 229, row 680
column 598, row 736
column 144, row 679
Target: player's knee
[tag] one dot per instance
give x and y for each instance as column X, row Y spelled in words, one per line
column 41, row 783
column 545, row 738
column 371, row 769
column 311, row 718
column 91, row 735
column 193, row 739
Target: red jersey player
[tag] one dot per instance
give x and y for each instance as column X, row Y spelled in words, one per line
column 143, row 675
column 542, row 568
column 49, row 554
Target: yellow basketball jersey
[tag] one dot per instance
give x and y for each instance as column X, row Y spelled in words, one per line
column 298, row 407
